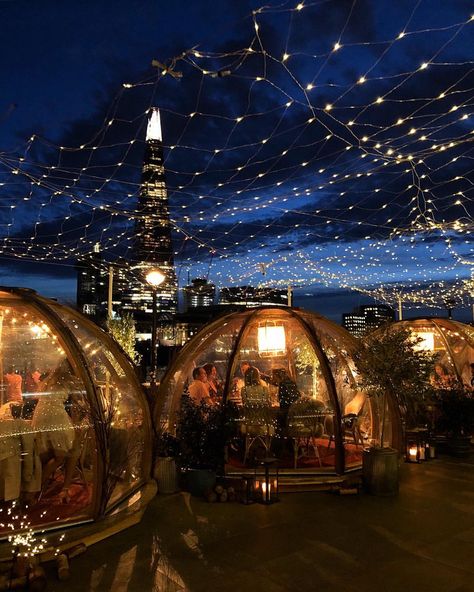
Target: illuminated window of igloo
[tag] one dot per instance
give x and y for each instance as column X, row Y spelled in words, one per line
column 74, row 427
column 452, row 341
column 289, row 382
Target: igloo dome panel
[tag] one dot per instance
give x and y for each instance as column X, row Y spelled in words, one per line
column 451, row 340
column 75, row 434
column 291, row 378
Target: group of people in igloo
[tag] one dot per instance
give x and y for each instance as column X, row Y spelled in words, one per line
column 453, row 344
column 74, row 425
column 291, row 380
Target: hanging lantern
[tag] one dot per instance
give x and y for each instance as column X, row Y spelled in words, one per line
column 271, row 339
column 266, row 481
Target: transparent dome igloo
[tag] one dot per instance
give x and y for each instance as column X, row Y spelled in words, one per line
column 302, row 405
column 451, row 340
column 75, row 434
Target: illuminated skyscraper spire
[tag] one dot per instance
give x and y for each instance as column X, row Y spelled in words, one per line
column 153, row 130
column 152, row 245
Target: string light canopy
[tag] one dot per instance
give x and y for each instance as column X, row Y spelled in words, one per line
column 341, row 159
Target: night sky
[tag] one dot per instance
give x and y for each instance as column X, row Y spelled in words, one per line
column 324, row 144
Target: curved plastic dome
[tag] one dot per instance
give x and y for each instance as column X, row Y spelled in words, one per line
column 305, row 409
column 75, row 434
column 451, row 340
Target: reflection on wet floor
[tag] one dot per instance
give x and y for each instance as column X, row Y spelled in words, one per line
column 118, row 576
column 166, row 578
column 421, row 540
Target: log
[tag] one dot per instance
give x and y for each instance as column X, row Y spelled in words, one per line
column 76, row 550
column 62, row 563
column 37, row 579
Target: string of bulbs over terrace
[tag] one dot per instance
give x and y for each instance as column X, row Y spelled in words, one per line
column 252, row 196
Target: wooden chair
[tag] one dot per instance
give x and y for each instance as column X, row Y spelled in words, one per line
column 350, row 427
column 257, row 426
column 305, row 425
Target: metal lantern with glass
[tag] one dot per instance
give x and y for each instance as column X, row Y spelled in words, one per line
column 266, row 481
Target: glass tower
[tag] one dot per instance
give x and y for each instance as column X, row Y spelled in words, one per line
column 152, row 247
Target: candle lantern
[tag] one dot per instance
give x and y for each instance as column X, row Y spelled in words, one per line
column 422, row 448
column 427, row 450
column 417, row 446
column 431, row 450
column 412, row 454
column 266, row 481
column 248, row 490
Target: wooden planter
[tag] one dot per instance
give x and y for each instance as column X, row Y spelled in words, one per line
column 380, row 471
column 459, row 446
column 166, row 475
column 200, row 481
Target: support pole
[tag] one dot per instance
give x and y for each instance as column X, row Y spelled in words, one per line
column 400, row 310
column 153, row 346
column 290, row 296
column 110, row 292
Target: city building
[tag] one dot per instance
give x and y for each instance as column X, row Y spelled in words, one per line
column 364, row 319
column 199, row 293
column 194, row 319
column 94, row 276
column 250, row 296
column 91, row 287
column 152, row 247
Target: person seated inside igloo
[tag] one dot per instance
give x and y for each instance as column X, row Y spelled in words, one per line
column 54, row 428
column 20, row 466
column 199, row 388
column 13, row 382
column 254, row 391
column 214, row 383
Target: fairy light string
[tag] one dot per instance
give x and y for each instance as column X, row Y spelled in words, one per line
column 363, row 178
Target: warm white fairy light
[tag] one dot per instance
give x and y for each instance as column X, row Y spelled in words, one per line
column 386, row 146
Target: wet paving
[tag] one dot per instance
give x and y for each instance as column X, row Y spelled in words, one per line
column 422, row 540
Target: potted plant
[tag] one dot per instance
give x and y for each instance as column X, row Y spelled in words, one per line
column 456, row 419
column 397, row 374
column 165, row 472
column 202, row 435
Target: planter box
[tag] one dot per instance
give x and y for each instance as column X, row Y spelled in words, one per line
column 200, row 481
column 166, row 475
column 380, row 471
column 460, row 446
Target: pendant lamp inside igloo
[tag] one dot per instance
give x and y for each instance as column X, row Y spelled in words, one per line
column 74, row 424
column 289, row 384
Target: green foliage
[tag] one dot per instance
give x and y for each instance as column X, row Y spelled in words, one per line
column 390, row 364
column 305, row 356
column 202, row 433
column 123, row 331
column 167, row 445
column 457, row 409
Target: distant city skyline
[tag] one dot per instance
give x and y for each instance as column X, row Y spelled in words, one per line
column 328, row 302
column 319, row 144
